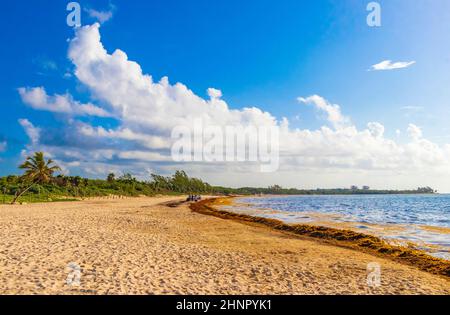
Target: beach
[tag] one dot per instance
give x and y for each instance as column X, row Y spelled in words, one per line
column 151, row 245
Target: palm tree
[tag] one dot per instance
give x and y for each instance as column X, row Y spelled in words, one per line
column 37, row 171
column 111, row 177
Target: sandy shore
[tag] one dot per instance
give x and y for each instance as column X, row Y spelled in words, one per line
column 140, row 246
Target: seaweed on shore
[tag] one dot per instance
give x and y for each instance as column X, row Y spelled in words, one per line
column 345, row 238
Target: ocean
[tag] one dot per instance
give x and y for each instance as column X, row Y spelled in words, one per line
column 422, row 221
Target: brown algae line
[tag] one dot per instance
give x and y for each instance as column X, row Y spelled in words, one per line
column 344, row 238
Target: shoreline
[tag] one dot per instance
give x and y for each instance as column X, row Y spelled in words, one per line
column 339, row 237
column 69, row 198
column 410, row 235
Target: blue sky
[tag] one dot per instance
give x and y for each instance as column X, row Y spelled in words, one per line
column 257, row 52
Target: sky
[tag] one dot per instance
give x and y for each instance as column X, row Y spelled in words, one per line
column 355, row 105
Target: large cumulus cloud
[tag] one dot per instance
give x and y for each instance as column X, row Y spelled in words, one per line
column 146, row 111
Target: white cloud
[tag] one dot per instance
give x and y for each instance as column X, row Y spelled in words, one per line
column 143, row 156
column 389, row 65
column 333, row 111
column 214, row 93
column 413, row 108
column 3, row 146
column 101, row 16
column 32, row 132
column 414, row 132
column 376, row 129
column 147, row 110
column 146, row 140
column 37, row 98
column 141, row 103
column 46, row 64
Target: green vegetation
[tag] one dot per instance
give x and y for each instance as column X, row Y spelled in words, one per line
column 38, row 184
column 62, row 188
column 37, row 171
column 277, row 190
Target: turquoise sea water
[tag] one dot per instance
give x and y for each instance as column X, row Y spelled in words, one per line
column 421, row 219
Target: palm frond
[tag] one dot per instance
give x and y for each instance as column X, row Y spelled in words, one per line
column 37, row 169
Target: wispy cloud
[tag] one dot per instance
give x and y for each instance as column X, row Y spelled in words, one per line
column 412, row 109
column 49, row 65
column 32, row 132
column 37, row 98
column 101, row 16
column 45, row 66
column 389, row 65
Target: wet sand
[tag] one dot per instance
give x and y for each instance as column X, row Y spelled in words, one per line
column 144, row 246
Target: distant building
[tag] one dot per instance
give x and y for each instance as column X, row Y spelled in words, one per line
column 366, row 188
column 354, row 187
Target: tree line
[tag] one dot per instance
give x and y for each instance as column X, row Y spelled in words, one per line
column 39, row 183
column 277, row 190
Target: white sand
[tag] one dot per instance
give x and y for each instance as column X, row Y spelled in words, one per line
column 137, row 246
